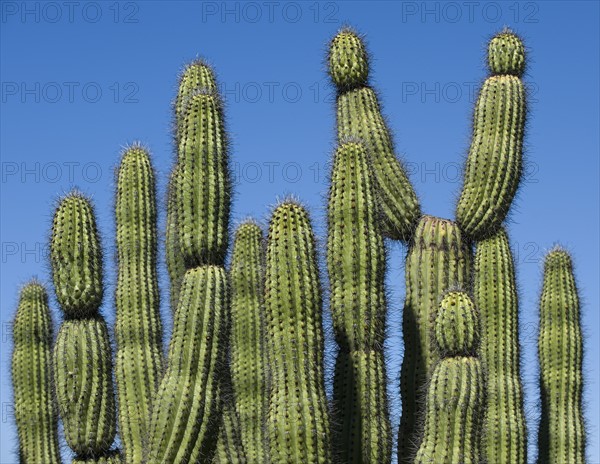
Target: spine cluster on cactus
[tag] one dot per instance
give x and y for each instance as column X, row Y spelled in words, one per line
column 495, row 294
column 298, row 419
column 356, row 262
column 560, row 346
column 455, row 394
column 359, row 116
column 82, row 353
column 35, row 407
column 138, row 329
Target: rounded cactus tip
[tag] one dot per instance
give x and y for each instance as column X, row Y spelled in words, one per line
column 135, row 150
column 348, row 60
column 558, row 256
column 506, row 54
column 457, row 326
column 33, row 290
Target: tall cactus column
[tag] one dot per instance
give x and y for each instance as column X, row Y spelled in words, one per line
column 356, row 263
column 455, row 394
column 297, row 422
column 35, row 407
column 438, row 260
column 359, row 116
column 82, row 354
column 495, row 293
column 138, row 329
column 560, row 347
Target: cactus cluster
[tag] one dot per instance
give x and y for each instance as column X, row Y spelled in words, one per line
column 244, row 380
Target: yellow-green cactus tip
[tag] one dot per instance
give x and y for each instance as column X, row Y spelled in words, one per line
column 456, row 328
column 506, row 54
column 348, row 60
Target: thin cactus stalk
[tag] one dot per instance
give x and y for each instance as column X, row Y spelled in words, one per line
column 455, row 395
column 495, row 294
column 494, row 164
column 560, row 346
column 138, row 329
column 248, row 351
column 175, row 264
column 35, row 406
column 298, row 421
column 82, row 353
column 356, row 261
column 359, row 116
column 438, row 259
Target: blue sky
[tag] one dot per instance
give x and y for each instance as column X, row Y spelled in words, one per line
column 81, row 80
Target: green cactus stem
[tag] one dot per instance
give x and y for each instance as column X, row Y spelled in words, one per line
column 356, row 262
column 138, row 329
column 495, row 294
column 35, row 407
column 438, row 259
column 175, row 263
column 230, row 448
column 494, row 164
column 298, row 421
column 562, row 436
column 455, row 395
column 110, row 458
column 248, row 351
column 359, row 116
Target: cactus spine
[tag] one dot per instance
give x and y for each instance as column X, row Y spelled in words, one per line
column 35, row 408
column 455, row 395
column 359, row 115
column 138, row 329
column 495, row 296
column 560, row 346
column 248, row 351
column 438, row 259
column 356, row 261
column 82, row 354
column 494, row 164
column 297, row 422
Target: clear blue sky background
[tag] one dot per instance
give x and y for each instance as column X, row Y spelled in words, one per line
column 80, row 82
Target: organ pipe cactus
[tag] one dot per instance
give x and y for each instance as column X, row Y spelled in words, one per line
column 455, row 394
column 560, row 346
column 35, row 407
column 298, row 420
column 495, row 293
column 82, row 353
column 356, row 262
column 138, row 330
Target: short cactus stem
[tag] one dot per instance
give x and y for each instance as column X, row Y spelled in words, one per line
column 298, row 421
column 455, row 394
column 438, row 259
column 562, row 436
column 35, row 407
column 495, row 295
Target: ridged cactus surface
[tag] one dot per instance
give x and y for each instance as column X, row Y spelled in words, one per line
column 438, row 259
column 298, row 421
column 138, row 329
column 356, row 262
column 36, row 413
column 359, row 116
column 455, row 394
column 560, row 346
column 495, row 294
column 248, row 347
column 495, row 161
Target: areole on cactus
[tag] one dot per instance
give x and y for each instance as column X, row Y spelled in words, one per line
column 244, row 380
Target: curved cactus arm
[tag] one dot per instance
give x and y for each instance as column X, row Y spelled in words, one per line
column 359, row 116
column 298, row 420
column 562, row 436
column 494, row 164
column 495, row 295
column 356, row 263
column 138, row 329
column 438, row 259
column 82, row 353
column 455, row 395
column 248, row 351
column 35, row 406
